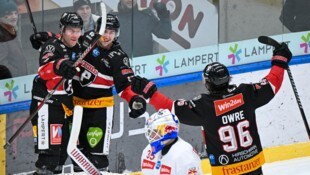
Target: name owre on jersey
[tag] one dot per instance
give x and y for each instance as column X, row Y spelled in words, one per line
column 228, row 104
column 246, row 160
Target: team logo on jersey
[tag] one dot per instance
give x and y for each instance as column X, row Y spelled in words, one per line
column 126, row 61
column 192, row 171
column 56, row 134
column 96, row 52
column 223, row 159
column 146, row 164
column 88, row 73
column 228, row 104
column 165, row 169
column 49, row 48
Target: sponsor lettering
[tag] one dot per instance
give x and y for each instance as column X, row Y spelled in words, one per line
column 89, row 67
column 165, row 169
column 243, row 168
column 228, row 104
column 195, row 60
column 147, row 164
column 245, row 154
column 84, row 162
column 259, row 50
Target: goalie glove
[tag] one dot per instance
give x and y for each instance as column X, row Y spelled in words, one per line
column 137, row 106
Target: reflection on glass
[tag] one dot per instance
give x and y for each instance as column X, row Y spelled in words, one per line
column 295, row 15
column 11, row 53
column 139, row 25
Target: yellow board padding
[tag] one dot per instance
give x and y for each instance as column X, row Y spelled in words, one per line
column 272, row 154
column 2, row 142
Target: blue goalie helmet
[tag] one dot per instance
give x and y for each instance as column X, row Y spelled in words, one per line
column 161, row 127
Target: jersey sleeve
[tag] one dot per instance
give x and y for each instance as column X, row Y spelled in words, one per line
column 268, row 87
column 186, row 110
column 121, row 69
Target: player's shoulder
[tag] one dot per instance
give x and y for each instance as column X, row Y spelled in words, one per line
column 52, row 45
column 116, row 52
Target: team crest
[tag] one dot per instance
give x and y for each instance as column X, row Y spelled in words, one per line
column 88, row 73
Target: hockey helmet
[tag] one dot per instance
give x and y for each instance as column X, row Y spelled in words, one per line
column 216, row 77
column 160, row 128
column 70, row 19
column 112, row 23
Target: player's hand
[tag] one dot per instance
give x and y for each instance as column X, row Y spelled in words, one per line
column 143, row 86
column 39, row 38
column 161, row 9
column 137, row 106
column 281, row 56
column 65, row 68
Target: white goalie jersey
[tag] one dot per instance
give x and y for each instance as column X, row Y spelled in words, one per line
column 180, row 159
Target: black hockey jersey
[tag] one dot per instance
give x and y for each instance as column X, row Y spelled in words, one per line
column 101, row 70
column 229, row 122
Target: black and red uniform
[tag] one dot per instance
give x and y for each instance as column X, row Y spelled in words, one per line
column 50, row 124
column 100, row 70
column 228, row 120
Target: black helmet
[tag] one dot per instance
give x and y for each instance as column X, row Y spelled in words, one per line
column 216, row 77
column 70, row 19
column 112, row 23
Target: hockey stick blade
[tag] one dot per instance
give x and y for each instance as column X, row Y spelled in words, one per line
column 72, row 149
column 269, row 41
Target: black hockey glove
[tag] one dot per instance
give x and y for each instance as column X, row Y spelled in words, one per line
column 65, row 68
column 143, row 86
column 161, row 10
column 39, row 38
column 137, row 106
column 281, row 56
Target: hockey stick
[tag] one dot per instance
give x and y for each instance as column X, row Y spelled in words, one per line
column 31, row 17
column 72, row 149
column 50, row 94
column 269, row 41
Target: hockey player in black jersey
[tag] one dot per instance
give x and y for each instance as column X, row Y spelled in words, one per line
column 50, row 124
column 105, row 66
column 227, row 113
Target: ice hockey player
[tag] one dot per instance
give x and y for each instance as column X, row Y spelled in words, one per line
column 105, row 66
column 167, row 153
column 227, row 113
column 50, row 125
